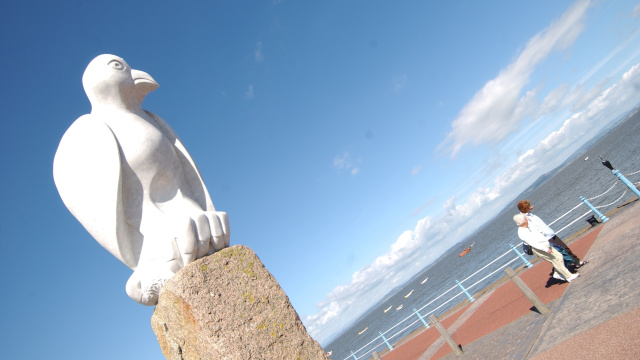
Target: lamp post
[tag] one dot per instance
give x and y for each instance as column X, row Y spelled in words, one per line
column 602, row 216
column 617, row 173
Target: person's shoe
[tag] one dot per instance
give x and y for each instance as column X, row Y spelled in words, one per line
column 573, row 277
column 556, row 275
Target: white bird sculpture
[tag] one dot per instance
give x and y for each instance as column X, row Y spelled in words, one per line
column 129, row 180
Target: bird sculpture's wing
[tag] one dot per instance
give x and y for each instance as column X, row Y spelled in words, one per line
column 199, row 190
column 87, row 173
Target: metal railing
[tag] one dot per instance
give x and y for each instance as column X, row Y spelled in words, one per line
column 384, row 341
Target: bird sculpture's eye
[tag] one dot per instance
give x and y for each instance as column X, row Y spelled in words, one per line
column 116, row 65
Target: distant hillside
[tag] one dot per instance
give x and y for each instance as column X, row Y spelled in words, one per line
column 580, row 151
column 604, row 132
column 635, row 113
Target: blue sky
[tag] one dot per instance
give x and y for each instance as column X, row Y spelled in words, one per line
column 350, row 142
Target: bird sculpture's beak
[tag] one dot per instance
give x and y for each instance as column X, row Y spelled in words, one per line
column 143, row 81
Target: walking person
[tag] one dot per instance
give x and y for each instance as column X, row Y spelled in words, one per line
column 525, row 208
column 536, row 237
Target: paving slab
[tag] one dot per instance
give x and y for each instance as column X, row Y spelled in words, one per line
column 597, row 316
column 609, row 286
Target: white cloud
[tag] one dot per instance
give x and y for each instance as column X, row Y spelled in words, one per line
column 573, row 95
column 583, row 100
column 344, row 162
column 258, row 53
column 564, row 96
column 554, row 100
column 580, row 127
column 431, row 237
column 422, row 207
column 341, row 161
column 249, row 93
column 497, row 110
column 416, row 169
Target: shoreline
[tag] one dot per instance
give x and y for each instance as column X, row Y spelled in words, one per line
column 489, row 289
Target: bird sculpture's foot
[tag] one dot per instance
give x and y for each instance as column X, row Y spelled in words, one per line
column 151, row 291
column 145, row 284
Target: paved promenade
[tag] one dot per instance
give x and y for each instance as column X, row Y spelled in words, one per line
column 597, row 316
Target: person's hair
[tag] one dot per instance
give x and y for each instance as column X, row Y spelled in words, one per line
column 524, row 206
column 519, row 219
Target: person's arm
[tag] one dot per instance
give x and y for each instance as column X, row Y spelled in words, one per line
column 541, row 225
column 534, row 238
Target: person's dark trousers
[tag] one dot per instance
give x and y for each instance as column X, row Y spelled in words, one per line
column 556, row 240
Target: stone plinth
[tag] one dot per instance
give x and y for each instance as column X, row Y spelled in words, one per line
column 228, row 306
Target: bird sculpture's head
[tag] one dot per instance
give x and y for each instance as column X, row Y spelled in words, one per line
column 110, row 82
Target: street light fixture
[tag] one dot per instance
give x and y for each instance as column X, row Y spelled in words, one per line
column 606, row 163
column 621, row 177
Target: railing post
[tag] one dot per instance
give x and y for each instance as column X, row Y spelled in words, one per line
column 626, row 182
column 385, row 340
column 445, row 334
column 471, row 299
column 542, row 308
column 593, row 208
column 419, row 316
column 354, row 355
column 526, row 262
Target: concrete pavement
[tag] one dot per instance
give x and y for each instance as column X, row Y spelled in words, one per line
column 597, row 316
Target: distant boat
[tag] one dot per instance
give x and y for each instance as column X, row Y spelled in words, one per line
column 587, row 158
column 329, row 353
column 409, row 294
column 466, row 250
column 389, row 308
column 399, row 307
column 424, row 281
column 363, row 330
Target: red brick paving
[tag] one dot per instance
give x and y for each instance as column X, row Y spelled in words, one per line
column 412, row 349
column 508, row 303
column 505, row 305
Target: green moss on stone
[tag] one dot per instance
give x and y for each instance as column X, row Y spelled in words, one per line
column 274, row 328
column 248, row 296
column 239, row 255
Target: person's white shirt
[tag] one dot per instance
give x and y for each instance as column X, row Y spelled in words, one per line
column 536, row 222
column 534, row 237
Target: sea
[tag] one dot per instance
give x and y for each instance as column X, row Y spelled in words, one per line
column 553, row 195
